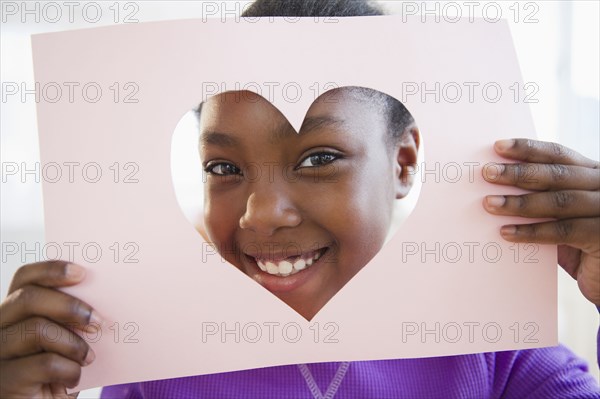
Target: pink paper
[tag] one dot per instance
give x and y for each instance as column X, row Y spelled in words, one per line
column 173, row 307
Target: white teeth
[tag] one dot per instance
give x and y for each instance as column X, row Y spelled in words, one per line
column 299, row 264
column 272, row 268
column 286, row 267
column 261, row 265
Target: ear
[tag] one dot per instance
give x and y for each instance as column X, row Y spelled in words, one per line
column 405, row 160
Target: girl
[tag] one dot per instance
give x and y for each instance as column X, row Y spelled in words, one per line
column 304, row 227
column 567, row 190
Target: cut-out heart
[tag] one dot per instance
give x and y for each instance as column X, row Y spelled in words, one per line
column 303, row 212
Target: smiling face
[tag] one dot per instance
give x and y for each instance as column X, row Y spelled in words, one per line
column 300, row 214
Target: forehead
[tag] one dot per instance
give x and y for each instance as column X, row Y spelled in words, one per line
column 354, row 109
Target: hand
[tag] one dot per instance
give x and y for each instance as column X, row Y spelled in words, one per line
column 567, row 188
column 40, row 354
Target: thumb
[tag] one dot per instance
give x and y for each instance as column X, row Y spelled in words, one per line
column 569, row 259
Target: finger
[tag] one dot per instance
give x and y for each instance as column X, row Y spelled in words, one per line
column 534, row 151
column 32, row 300
column 578, row 233
column 569, row 259
column 47, row 274
column 540, row 177
column 37, row 335
column 59, row 391
column 36, row 370
column 552, row 204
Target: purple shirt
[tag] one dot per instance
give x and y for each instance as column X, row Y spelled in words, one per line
column 553, row 372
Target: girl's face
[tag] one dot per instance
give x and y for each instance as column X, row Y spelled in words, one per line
column 301, row 214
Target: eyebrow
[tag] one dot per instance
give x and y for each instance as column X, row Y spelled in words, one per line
column 309, row 125
column 218, row 139
column 318, row 122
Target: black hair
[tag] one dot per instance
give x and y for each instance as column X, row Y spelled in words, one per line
column 398, row 116
column 312, row 8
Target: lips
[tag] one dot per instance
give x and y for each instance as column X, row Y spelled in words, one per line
column 285, row 266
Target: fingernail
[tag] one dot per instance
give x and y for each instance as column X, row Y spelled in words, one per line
column 492, row 172
column 95, row 322
column 509, row 230
column 90, row 357
column 495, row 201
column 504, row 145
column 74, row 272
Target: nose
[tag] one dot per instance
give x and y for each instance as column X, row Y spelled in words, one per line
column 269, row 209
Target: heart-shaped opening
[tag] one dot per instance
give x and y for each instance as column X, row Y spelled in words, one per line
column 301, row 213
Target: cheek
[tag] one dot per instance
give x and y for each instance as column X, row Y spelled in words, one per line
column 372, row 185
column 368, row 202
column 355, row 210
column 221, row 223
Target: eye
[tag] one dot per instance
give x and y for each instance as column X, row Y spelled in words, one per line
column 222, row 169
column 318, row 159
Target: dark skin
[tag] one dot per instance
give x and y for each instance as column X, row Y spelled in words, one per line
column 566, row 187
column 43, row 369
column 36, row 365
column 295, row 204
